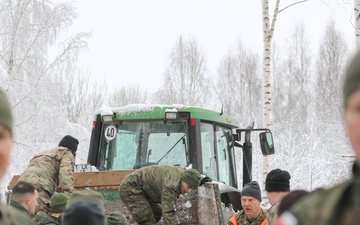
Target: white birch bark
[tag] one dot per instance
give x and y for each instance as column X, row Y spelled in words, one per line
column 268, row 31
column 357, row 22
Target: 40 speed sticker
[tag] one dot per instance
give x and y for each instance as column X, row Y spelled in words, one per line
column 110, row 132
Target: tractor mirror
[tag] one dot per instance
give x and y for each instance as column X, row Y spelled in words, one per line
column 266, row 142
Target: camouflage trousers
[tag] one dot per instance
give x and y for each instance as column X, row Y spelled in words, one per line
column 43, row 201
column 142, row 209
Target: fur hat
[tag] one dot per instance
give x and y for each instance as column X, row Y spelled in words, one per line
column 5, row 112
column 192, row 177
column 58, row 202
column 277, row 180
column 69, row 142
column 252, row 189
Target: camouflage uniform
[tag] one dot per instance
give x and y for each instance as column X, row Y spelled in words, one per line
column 272, row 217
column 10, row 216
column 51, row 170
column 243, row 219
column 148, row 186
column 42, row 218
column 338, row 205
column 19, row 207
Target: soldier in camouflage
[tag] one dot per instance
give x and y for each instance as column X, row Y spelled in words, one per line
column 8, row 214
column 116, row 218
column 53, row 170
column 24, row 197
column 340, row 204
column 58, row 204
column 143, row 190
column 252, row 213
column 277, row 186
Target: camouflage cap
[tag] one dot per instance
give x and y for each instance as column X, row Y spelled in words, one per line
column 5, row 112
column 58, row 202
column 192, row 177
column 116, row 218
column 352, row 77
column 87, row 195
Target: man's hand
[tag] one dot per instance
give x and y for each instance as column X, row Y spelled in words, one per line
column 204, row 180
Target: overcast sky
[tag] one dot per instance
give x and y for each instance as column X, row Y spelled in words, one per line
column 131, row 40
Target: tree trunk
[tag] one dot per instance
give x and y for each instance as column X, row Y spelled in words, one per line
column 357, row 22
column 268, row 31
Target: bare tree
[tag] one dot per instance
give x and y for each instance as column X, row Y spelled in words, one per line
column 357, row 22
column 268, row 33
column 30, row 75
column 128, row 95
column 82, row 96
column 185, row 78
column 293, row 94
column 29, row 29
column 239, row 84
column 307, row 128
column 333, row 53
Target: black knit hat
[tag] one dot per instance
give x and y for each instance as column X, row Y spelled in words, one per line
column 69, row 142
column 83, row 212
column 252, row 189
column 277, row 180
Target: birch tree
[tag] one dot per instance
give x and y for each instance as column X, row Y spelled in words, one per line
column 357, row 22
column 185, row 79
column 238, row 85
column 130, row 94
column 82, row 96
column 30, row 75
column 268, row 33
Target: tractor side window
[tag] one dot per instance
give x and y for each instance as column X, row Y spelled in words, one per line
column 224, row 147
column 208, row 153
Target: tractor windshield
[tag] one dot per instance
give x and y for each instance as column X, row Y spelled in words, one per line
column 132, row 145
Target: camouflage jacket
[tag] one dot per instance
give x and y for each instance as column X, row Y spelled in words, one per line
column 12, row 216
column 272, row 217
column 19, row 207
column 51, row 169
column 242, row 219
column 338, row 205
column 42, row 218
column 161, row 184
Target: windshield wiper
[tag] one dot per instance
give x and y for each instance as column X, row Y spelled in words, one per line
column 171, row 149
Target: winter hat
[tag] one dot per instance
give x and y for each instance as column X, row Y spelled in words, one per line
column 58, row 202
column 5, row 112
column 352, row 77
column 116, row 218
column 83, row 212
column 69, row 142
column 87, row 195
column 192, row 177
column 277, row 180
column 252, row 189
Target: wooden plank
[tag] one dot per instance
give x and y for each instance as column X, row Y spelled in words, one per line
column 13, row 181
column 100, row 180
